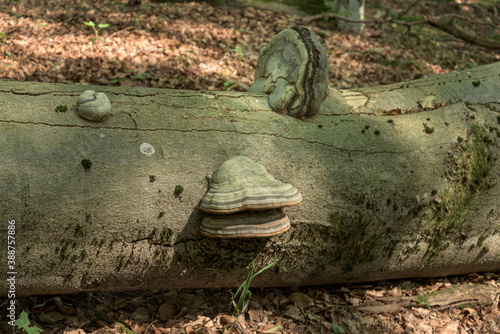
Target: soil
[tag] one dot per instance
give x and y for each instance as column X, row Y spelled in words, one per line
column 197, row 46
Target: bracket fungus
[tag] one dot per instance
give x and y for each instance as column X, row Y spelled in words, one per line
column 93, row 106
column 293, row 69
column 245, row 224
column 243, row 200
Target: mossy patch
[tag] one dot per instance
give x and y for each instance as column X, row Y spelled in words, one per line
column 87, row 164
column 468, row 165
column 163, row 238
column 356, row 247
column 346, row 242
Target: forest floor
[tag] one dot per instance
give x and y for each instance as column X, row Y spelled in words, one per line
column 196, row 46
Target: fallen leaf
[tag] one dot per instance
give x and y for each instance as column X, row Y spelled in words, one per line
column 301, row 300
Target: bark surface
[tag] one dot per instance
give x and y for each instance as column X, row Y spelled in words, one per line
column 390, row 190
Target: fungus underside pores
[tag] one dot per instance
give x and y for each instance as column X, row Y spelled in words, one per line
column 244, row 201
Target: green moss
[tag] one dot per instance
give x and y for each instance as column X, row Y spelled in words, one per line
column 61, row 108
column 102, row 242
column 78, row 231
column 163, row 238
column 356, row 247
column 467, row 305
column 153, row 233
column 71, row 274
column 86, row 163
column 428, row 129
column 84, row 254
column 121, row 262
column 469, row 163
column 423, row 300
column 481, row 240
column 161, row 214
column 476, row 83
column 178, row 191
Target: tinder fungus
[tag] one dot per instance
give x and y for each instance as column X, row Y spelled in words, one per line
column 293, row 70
column 245, row 224
column 236, row 190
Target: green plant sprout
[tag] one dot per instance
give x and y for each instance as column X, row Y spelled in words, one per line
column 337, row 329
column 96, row 30
column 3, row 37
column 24, row 323
column 243, row 294
column 132, row 75
column 125, row 328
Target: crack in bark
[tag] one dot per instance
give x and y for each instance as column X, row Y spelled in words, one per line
column 170, row 94
column 172, row 245
column 208, row 130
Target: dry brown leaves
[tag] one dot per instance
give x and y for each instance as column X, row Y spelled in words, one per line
column 196, row 46
column 464, row 304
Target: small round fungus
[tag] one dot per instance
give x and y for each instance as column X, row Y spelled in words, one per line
column 93, row 106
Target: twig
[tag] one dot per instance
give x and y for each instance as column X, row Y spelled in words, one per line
column 333, row 16
column 460, row 17
column 240, row 328
column 410, row 6
column 460, row 33
column 151, row 48
column 432, row 20
column 116, row 33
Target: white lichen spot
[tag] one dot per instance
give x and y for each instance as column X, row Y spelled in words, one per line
column 102, row 135
column 147, row 149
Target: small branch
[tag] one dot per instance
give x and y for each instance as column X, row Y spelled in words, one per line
column 116, row 33
column 410, row 6
column 460, row 17
column 462, row 34
column 333, row 16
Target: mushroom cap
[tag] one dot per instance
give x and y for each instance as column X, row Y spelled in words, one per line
column 243, row 184
column 247, row 224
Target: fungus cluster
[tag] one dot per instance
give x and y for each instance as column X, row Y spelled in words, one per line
column 243, row 201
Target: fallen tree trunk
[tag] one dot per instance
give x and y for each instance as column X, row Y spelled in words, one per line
column 390, row 190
